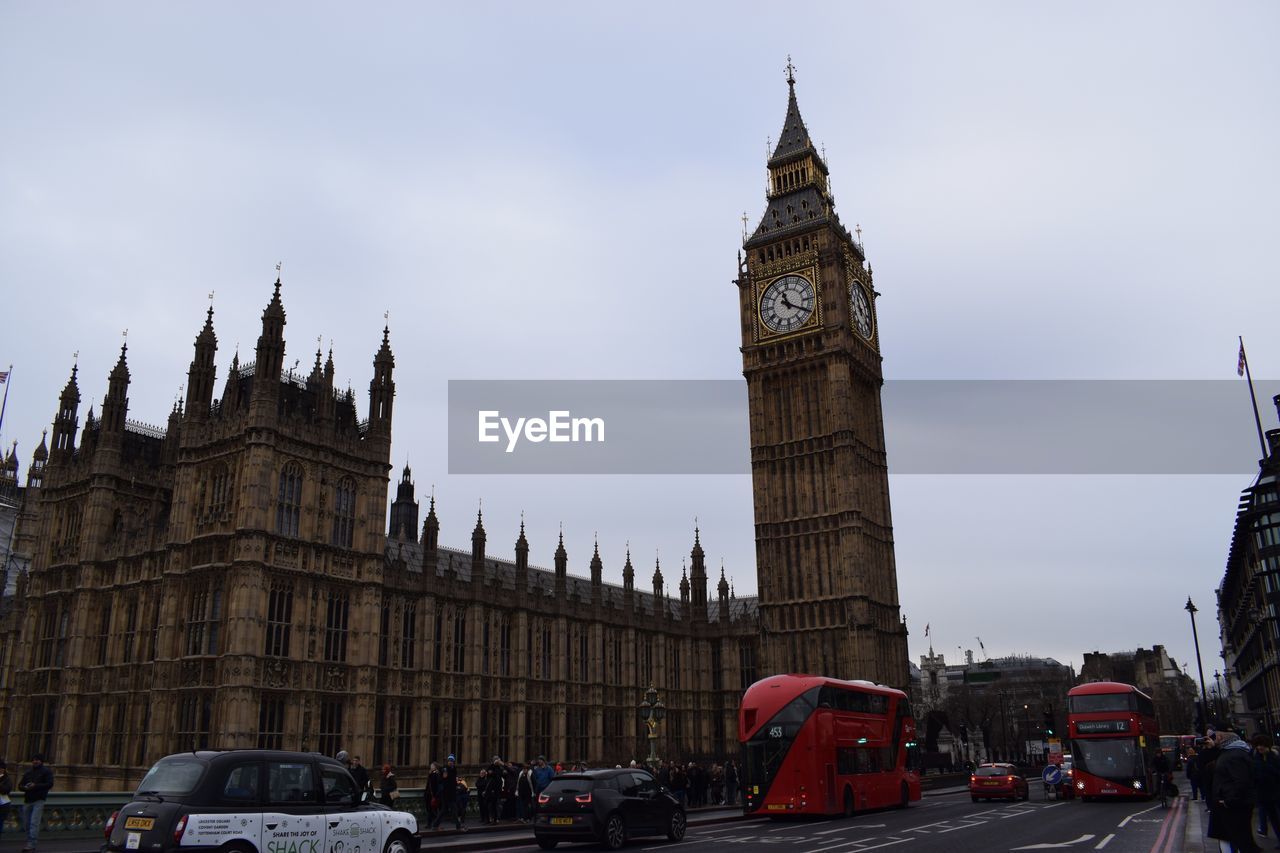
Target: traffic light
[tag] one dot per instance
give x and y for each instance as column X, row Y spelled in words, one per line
column 1048, row 723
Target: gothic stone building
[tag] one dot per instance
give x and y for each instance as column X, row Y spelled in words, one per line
column 229, row 580
column 811, row 355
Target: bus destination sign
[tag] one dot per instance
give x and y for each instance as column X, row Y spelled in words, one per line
column 1097, row 727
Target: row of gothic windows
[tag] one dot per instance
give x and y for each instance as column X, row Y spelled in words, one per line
column 289, row 507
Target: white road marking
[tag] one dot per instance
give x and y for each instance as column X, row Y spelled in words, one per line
column 860, row 849
column 1125, row 822
column 1072, row 843
column 852, row 826
column 1105, row 841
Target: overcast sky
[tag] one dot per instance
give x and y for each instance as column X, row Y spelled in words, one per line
column 1079, row 191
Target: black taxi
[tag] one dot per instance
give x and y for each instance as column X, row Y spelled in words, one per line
column 256, row 801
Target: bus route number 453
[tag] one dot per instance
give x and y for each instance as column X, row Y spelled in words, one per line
column 775, row 731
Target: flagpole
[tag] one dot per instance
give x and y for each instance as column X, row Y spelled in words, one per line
column 1253, row 398
column 8, row 380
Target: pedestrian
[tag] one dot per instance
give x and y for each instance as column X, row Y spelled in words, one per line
column 448, row 795
column 1207, row 761
column 1234, row 795
column 1193, row 772
column 679, row 783
column 461, row 800
column 390, row 791
column 524, row 793
column 717, row 784
column 482, row 795
column 542, row 776
column 1266, row 776
column 35, row 785
column 6, row 788
column 361, row 774
column 431, row 794
column 730, row 783
column 493, row 793
column 510, row 772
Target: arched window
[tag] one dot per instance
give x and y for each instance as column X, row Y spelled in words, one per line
column 221, row 493
column 344, row 512
column 289, row 505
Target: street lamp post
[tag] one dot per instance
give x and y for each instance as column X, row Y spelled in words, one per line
column 1217, row 692
column 1204, row 697
column 652, row 712
column 1026, row 737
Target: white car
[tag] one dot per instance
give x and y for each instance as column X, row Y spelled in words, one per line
column 256, row 801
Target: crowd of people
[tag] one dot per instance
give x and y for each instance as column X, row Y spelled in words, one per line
column 508, row 791
column 1239, row 782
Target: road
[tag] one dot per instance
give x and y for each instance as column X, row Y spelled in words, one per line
column 945, row 823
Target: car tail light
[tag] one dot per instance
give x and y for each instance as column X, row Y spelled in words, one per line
column 973, row 778
column 179, row 828
column 111, row 824
column 583, row 798
column 543, row 799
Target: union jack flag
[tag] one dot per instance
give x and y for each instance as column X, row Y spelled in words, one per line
column 4, row 376
column 1240, row 364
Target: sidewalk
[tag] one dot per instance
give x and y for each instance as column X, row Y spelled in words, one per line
column 1195, row 839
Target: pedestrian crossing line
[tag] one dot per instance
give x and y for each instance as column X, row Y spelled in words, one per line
column 862, row 847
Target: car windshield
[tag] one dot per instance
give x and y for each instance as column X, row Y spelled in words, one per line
column 173, row 776
column 995, row 771
column 569, row 786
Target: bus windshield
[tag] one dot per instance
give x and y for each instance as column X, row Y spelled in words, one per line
column 1100, row 702
column 764, row 753
column 1117, row 759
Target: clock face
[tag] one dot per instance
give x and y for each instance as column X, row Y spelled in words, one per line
column 787, row 303
column 859, row 310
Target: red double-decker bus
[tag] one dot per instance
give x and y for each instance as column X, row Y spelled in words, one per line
column 1114, row 740
column 821, row 746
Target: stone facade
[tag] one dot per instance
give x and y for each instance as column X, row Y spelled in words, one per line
column 1248, row 603
column 1156, row 674
column 228, row 581
column 810, row 353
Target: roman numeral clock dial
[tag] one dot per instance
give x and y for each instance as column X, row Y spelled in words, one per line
column 860, row 310
column 787, row 303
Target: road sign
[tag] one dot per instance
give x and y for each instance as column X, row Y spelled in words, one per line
column 1051, row 775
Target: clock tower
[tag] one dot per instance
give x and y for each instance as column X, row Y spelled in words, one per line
column 828, row 588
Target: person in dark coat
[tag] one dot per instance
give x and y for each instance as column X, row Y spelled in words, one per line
column 35, row 785
column 1193, row 772
column 730, row 783
column 1234, row 795
column 360, row 773
column 1266, row 777
column 1207, row 759
column 390, row 791
column 432, row 795
column 448, row 795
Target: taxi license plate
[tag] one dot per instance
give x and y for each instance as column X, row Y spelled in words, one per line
column 562, row 821
column 777, row 807
column 139, row 822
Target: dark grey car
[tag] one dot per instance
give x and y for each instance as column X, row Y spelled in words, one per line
column 608, row 806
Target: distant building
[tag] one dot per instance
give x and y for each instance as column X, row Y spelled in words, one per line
column 995, row 709
column 1156, row 674
column 1248, row 597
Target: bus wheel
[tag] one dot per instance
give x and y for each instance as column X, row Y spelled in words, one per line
column 848, row 802
column 906, row 796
